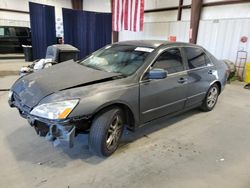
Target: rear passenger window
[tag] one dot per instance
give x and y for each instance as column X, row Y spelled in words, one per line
column 196, row 57
column 170, row 60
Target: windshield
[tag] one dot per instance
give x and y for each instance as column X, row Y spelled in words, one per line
column 119, row 59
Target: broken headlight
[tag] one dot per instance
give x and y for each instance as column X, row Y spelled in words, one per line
column 55, row 110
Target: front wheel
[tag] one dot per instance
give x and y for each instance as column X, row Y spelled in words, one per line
column 211, row 98
column 106, row 131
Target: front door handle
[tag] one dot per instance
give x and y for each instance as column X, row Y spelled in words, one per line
column 182, row 80
column 210, row 72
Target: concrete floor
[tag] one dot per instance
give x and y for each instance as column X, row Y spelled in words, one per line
column 11, row 66
column 194, row 149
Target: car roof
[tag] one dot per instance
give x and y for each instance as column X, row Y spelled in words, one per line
column 153, row 43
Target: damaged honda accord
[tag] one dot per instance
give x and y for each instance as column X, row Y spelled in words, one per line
column 126, row 84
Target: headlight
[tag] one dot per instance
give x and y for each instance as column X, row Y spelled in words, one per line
column 10, row 94
column 56, row 110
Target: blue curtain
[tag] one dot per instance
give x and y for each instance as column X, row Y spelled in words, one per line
column 88, row 31
column 43, row 31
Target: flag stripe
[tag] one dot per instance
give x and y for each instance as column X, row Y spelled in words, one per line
column 122, row 13
column 117, row 15
column 127, row 15
column 138, row 16
column 131, row 12
column 135, row 15
column 113, row 15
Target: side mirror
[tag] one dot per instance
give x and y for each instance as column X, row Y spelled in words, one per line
column 157, row 74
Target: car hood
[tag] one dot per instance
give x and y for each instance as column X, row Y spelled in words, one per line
column 31, row 88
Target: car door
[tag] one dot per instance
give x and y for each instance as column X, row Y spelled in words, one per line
column 159, row 97
column 201, row 73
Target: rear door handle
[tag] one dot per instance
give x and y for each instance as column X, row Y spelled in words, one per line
column 182, row 80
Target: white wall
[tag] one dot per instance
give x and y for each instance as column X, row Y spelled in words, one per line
column 159, row 31
column 222, row 37
column 160, row 25
column 23, row 5
column 16, row 19
column 97, row 5
column 220, row 27
column 20, row 19
column 153, row 4
column 226, row 11
column 214, row 12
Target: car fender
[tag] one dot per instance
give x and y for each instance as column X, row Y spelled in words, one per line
column 92, row 104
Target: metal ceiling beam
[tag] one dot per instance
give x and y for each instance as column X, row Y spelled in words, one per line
column 12, row 10
column 229, row 2
column 115, row 34
column 162, row 9
column 195, row 19
column 218, row 3
column 77, row 4
column 179, row 10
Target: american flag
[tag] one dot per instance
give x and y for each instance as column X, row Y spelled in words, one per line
column 127, row 15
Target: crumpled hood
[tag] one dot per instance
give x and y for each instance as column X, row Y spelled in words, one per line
column 34, row 87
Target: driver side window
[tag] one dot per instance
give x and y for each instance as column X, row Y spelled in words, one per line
column 170, row 60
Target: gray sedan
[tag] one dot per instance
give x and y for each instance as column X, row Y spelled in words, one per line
column 126, row 84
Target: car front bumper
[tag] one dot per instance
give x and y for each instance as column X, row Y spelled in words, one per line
column 57, row 131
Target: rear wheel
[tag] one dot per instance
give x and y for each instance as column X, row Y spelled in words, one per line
column 106, row 131
column 211, row 98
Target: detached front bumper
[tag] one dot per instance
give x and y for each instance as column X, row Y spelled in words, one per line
column 59, row 132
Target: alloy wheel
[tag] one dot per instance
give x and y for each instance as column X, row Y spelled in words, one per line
column 212, row 97
column 114, row 132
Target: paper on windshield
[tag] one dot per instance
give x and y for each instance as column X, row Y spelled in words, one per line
column 144, row 49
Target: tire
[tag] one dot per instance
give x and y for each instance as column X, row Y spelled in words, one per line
column 211, row 98
column 106, row 131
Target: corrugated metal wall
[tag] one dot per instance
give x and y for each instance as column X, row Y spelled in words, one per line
column 159, row 31
column 222, row 37
column 5, row 22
